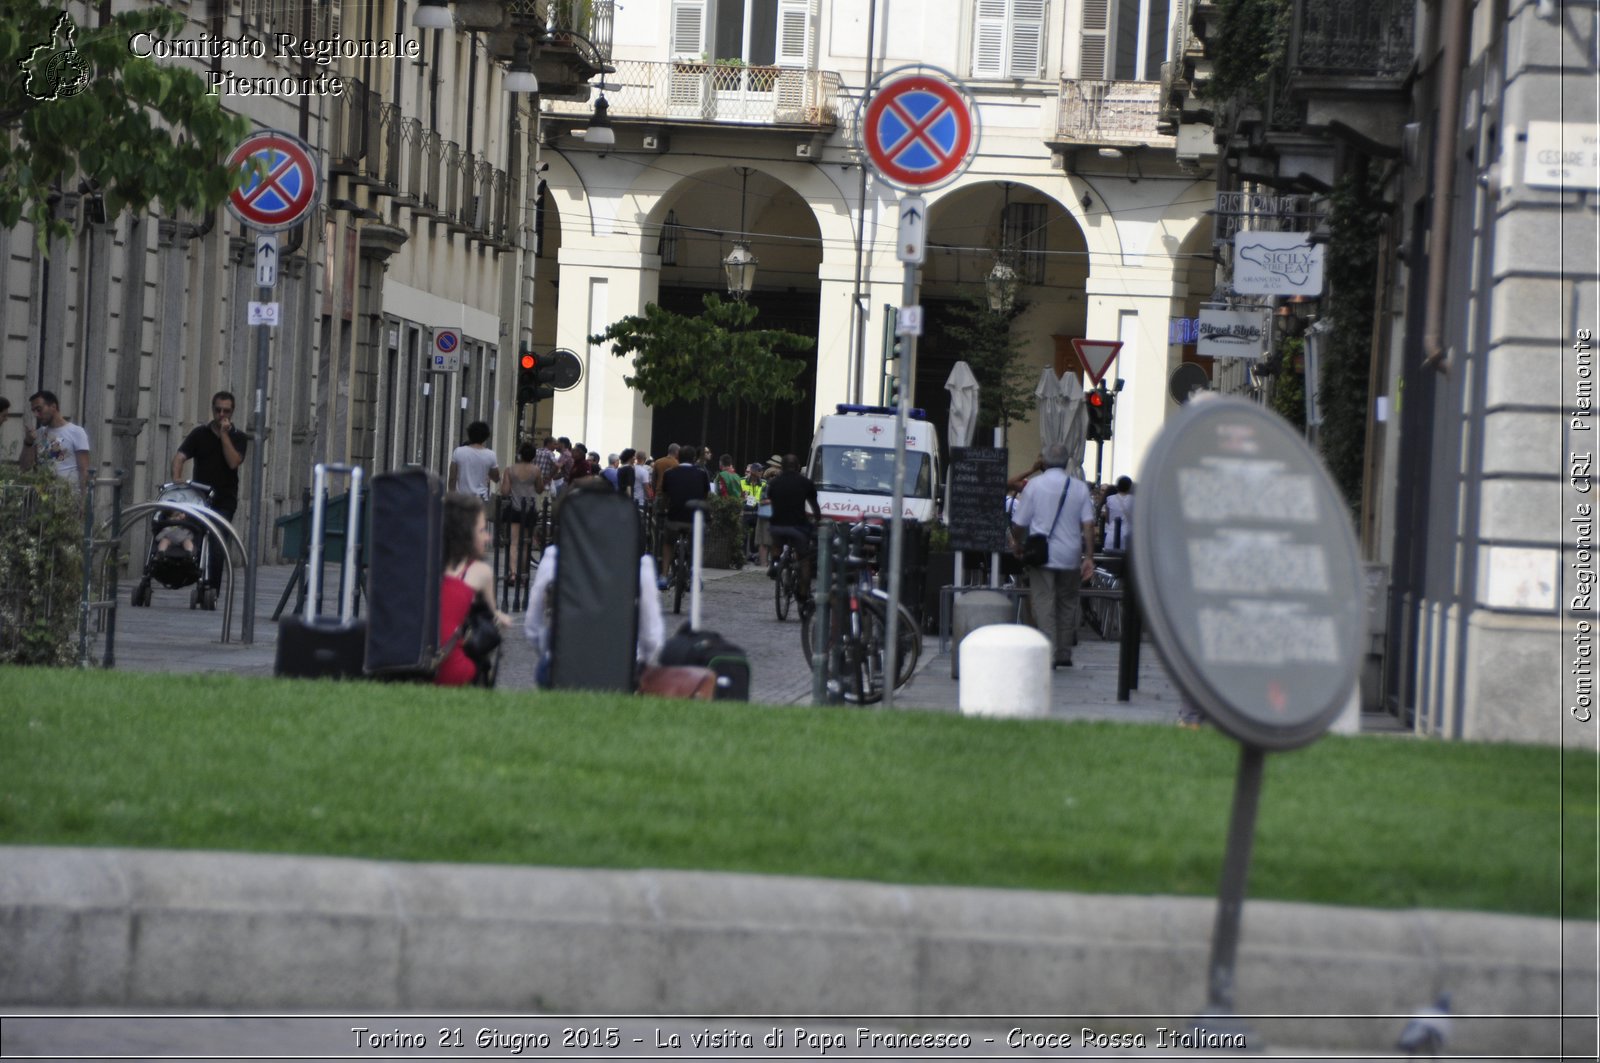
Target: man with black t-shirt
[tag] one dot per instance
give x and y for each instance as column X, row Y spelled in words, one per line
column 681, row 484
column 218, row 450
column 790, row 493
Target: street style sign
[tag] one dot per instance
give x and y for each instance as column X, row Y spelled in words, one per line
column 1096, row 356
column 282, row 185
column 1236, row 332
column 1249, row 574
column 919, row 129
column 446, row 350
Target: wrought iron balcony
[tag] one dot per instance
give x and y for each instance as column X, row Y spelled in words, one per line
column 712, row 92
column 1352, row 38
column 581, row 26
column 1111, row 113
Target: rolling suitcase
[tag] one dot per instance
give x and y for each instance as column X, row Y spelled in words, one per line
column 595, row 613
column 316, row 647
column 707, row 649
column 404, row 571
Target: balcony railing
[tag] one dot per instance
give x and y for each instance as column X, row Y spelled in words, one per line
column 585, row 25
column 1352, row 38
column 710, row 92
column 1111, row 112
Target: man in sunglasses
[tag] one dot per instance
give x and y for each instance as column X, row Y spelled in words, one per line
column 218, row 450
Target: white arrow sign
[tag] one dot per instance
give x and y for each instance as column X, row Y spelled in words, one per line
column 267, row 260
column 911, row 242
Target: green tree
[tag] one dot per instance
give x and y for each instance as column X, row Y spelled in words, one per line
column 984, row 338
column 76, row 104
column 713, row 356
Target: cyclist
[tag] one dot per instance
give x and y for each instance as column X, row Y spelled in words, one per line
column 681, row 484
column 790, row 493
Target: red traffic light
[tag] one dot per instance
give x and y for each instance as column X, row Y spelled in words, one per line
column 1095, row 398
column 530, row 361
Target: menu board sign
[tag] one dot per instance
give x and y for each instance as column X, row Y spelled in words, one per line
column 977, row 505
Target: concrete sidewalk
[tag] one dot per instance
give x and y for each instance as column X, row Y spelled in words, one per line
column 122, row 928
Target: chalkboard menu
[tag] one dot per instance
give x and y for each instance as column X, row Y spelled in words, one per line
column 976, row 509
column 1249, row 574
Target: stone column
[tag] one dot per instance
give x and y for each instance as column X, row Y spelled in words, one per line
column 599, row 287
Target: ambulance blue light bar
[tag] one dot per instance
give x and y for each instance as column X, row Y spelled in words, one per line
column 916, row 413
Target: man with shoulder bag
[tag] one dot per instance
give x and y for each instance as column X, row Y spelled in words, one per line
column 1053, row 528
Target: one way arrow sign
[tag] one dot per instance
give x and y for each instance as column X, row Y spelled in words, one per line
column 911, row 244
column 267, row 260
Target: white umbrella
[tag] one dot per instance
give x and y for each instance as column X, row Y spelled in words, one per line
column 1053, row 423
column 1077, row 437
column 963, row 389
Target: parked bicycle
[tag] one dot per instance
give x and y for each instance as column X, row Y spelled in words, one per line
column 857, row 639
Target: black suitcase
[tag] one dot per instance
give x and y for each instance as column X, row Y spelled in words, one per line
column 595, row 616
column 404, row 570
column 317, row 647
column 707, row 649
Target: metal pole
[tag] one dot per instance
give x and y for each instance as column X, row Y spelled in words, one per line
column 258, row 429
column 994, row 558
column 858, row 308
column 86, row 499
column 897, row 546
column 1230, row 894
column 113, row 562
column 822, row 619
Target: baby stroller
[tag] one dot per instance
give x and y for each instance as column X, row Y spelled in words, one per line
column 180, row 549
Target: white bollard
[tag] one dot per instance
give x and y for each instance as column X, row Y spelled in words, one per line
column 1005, row 671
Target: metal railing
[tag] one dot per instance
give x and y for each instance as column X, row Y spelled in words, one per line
column 1111, row 112
column 1353, row 38
column 713, row 92
column 584, row 24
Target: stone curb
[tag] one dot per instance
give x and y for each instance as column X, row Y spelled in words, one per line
column 147, row 929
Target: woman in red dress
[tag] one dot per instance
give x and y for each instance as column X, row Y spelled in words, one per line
column 466, row 575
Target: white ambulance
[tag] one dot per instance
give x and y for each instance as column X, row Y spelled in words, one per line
column 852, row 464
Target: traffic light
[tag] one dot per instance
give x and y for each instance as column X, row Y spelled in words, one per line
column 1102, row 409
column 528, row 384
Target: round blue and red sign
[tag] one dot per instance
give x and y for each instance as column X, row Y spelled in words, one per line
column 281, row 186
column 920, row 130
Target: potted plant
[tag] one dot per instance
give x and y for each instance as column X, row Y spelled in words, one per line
column 724, row 545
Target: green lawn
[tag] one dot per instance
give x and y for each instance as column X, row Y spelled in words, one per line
column 413, row 773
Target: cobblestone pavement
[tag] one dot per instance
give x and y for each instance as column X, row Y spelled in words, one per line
column 169, row 636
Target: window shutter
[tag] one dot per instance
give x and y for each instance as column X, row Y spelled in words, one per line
column 1092, row 42
column 1027, row 39
column 795, row 21
column 989, row 39
column 688, row 29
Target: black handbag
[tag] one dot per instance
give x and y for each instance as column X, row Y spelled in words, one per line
column 480, row 641
column 1036, row 548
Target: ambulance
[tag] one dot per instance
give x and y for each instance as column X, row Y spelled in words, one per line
column 852, row 464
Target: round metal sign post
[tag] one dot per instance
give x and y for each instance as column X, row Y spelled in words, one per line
column 1250, row 580
column 283, row 183
column 279, row 191
column 919, row 130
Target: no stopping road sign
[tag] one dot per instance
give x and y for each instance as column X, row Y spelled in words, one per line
column 919, row 129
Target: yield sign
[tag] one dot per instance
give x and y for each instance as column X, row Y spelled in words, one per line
column 919, row 131
column 1096, row 356
column 282, row 183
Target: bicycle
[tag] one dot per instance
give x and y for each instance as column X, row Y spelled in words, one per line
column 858, row 631
column 786, row 583
column 680, row 574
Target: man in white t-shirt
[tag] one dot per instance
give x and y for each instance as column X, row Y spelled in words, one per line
column 1055, row 505
column 56, row 442
column 1119, row 517
column 472, row 465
